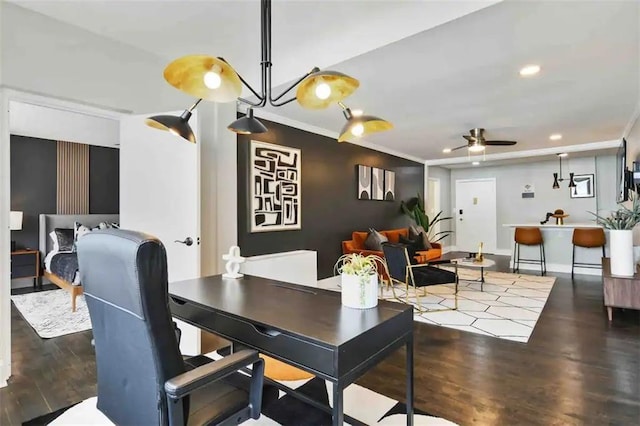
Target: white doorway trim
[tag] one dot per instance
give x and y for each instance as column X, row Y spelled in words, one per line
column 7, row 96
column 489, row 246
column 433, row 201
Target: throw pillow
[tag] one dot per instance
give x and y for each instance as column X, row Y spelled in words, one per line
column 413, row 246
column 374, row 240
column 415, row 231
column 425, row 241
column 65, row 238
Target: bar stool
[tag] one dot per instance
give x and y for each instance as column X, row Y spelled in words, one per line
column 587, row 238
column 529, row 237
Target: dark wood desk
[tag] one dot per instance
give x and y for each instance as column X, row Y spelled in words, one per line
column 302, row 326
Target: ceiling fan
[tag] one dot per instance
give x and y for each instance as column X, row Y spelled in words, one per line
column 477, row 142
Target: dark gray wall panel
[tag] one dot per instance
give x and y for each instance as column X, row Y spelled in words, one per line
column 33, row 184
column 330, row 208
column 104, row 180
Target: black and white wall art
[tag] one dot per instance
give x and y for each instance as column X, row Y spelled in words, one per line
column 377, row 184
column 389, row 185
column 585, row 186
column 364, row 182
column 275, row 187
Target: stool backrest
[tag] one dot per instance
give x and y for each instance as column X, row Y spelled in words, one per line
column 589, row 237
column 528, row 236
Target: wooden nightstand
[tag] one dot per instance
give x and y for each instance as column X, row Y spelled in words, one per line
column 26, row 264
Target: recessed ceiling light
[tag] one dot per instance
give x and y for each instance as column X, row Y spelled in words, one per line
column 555, row 137
column 446, row 150
column 356, row 112
column 563, row 154
column 529, row 70
column 476, row 163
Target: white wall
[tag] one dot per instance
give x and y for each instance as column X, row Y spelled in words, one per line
column 444, row 175
column 510, row 180
column 60, row 125
column 45, row 56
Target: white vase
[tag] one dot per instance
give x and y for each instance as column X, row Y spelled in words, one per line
column 359, row 292
column 621, row 252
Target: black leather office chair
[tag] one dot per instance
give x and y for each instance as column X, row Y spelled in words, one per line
column 401, row 270
column 142, row 378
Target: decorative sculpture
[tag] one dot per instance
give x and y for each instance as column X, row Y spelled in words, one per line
column 234, row 260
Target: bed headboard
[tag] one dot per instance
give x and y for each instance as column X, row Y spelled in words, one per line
column 49, row 222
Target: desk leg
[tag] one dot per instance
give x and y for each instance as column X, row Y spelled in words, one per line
column 338, row 404
column 409, row 368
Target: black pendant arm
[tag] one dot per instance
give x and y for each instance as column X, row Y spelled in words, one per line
column 253, row 104
column 287, row 90
column 275, row 104
column 248, row 86
column 194, row 105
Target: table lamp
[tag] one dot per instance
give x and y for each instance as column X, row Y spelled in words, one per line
column 15, row 224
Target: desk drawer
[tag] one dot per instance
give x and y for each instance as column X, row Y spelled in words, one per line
column 287, row 347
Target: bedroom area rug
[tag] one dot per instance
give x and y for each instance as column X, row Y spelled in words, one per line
column 49, row 313
column 361, row 403
column 508, row 307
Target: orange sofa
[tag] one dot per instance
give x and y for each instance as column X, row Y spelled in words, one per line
column 356, row 245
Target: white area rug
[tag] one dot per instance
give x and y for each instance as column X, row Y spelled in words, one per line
column 360, row 403
column 508, row 308
column 49, row 313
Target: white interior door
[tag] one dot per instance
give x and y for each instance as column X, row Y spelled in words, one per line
column 160, row 195
column 476, row 216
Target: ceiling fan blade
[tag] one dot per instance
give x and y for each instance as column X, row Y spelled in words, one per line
column 460, row 147
column 500, row 143
column 469, row 138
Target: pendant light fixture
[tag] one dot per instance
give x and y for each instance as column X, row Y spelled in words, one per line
column 557, row 177
column 213, row 79
column 358, row 126
column 178, row 125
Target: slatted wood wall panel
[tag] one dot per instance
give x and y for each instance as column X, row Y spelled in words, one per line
column 73, row 178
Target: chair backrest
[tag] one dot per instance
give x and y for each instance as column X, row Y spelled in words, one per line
column 124, row 276
column 397, row 260
column 528, row 236
column 589, row 237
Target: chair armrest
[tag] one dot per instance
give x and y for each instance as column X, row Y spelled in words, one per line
column 182, row 385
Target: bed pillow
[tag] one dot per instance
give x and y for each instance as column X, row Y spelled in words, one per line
column 65, row 238
column 54, row 241
column 107, row 225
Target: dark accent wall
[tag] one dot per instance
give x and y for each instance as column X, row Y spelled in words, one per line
column 33, row 184
column 331, row 210
column 104, row 180
column 34, row 177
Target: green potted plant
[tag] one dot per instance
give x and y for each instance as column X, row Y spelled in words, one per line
column 414, row 208
column 359, row 279
column 620, row 225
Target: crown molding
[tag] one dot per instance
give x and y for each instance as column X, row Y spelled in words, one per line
column 592, row 146
column 267, row 115
column 635, row 119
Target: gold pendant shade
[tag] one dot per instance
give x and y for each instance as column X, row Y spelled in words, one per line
column 357, row 127
column 189, row 74
column 337, row 86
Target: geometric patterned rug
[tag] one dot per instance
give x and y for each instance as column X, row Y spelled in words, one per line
column 508, row 308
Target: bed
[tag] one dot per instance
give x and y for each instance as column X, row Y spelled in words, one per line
column 48, row 223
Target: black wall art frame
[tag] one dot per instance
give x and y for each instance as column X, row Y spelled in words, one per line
column 376, row 184
column 585, row 186
column 275, row 188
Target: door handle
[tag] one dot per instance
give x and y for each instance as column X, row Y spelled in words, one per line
column 187, row 241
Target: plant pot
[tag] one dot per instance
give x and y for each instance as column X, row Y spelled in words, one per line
column 360, row 292
column 621, row 252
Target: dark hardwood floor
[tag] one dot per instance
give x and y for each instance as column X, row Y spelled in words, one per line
column 576, row 368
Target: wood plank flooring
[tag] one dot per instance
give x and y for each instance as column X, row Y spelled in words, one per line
column 575, row 369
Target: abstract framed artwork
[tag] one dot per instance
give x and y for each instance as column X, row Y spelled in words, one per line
column 364, row 182
column 275, row 188
column 389, row 185
column 585, row 186
column 377, row 184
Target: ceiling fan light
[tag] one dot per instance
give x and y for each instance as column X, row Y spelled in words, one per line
column 178, row 126
column 363, row 125
column 311, row 90
column 247, row 125
column 204, row 76
column 476, row 148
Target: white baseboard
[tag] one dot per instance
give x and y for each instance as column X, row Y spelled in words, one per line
column 503, row 252
column 4, row 374
column 560, row 268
